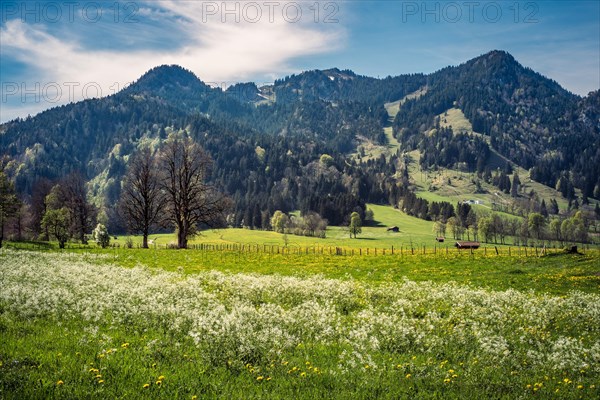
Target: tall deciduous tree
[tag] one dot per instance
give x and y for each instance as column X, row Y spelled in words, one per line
column 9, row 203
column 57, row 222
column 190, row 200
column 83, row 214
column 355, row 224
column 279, row 221
column 536, row 224
column 142, row 199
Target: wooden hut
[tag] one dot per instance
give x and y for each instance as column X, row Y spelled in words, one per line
column 393, row 229
column 462, row 245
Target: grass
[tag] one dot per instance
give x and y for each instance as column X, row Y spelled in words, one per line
column 254, row 325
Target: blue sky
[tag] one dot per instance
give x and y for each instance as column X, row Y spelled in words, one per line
column 54, row 52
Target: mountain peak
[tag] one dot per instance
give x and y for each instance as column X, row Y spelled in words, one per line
column 166, row 77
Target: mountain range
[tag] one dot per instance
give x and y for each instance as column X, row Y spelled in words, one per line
column 267, row 142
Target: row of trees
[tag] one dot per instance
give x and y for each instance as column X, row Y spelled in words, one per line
column 496, row 228
column 310, row 224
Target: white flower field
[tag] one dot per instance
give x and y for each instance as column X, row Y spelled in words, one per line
column 272, row 336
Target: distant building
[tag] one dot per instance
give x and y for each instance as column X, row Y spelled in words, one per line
column 467, row 245
column 393, row 229
column 440, row 239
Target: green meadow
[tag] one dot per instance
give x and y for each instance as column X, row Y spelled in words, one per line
column 261, row 315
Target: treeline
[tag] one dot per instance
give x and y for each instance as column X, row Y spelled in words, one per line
column 494, row 228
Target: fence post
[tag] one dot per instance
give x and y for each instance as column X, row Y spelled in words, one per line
column 392, row 250
column 496, row 247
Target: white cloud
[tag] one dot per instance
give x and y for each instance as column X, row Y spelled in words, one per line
column 217, row 52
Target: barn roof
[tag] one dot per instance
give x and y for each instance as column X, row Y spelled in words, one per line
column 467, row 245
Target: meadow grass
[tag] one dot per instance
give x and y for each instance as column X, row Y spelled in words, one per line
column 212, row 324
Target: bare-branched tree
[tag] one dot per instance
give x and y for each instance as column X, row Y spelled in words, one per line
column 191, row 201
column 143, row 202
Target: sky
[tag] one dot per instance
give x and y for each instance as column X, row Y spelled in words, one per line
column 56, row 52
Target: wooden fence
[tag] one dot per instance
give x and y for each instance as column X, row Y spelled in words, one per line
column 272, row 249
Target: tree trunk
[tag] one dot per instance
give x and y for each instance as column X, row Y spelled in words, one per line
column 181, row 238
column 145, row 240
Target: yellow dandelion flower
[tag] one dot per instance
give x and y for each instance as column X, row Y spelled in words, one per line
column 98, row 376
column 60, row 382
column 450, row 371
column 366, row 366
column 125, row 345
column 454, row 376
column 528, row 386
column 161, row 378
column 579, row 386
column 303, row 374
column 592, row 386
column 260, row 378
column 101, row 381
column 146, row 385
column 408, row 376
column 268, row 378
column 194, row 397
column 158, row 383
column 447, row 380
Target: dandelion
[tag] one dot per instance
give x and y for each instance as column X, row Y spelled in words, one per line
column 579, row 386
column 125, row 345
column 146, row 385
column 59, row 383
column 161, row 378
column 260, row 378
column 101, row 381
column 447, row 380
column 408, row 376
column 303, row 374
column 194, row 397
column 158, row 383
